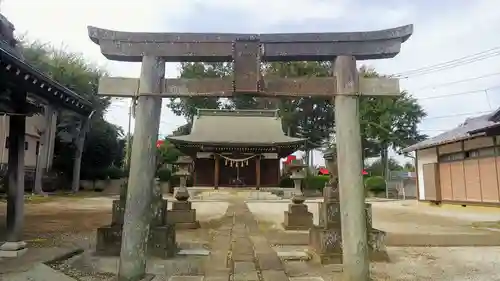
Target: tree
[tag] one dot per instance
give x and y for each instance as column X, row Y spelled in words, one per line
column 386, row 122
column 408, row 166
column 102, row 147
column 187, row 106
column 310, row 118
column 377, row 167
column 389, row 122
column 302, row 117
column 167, row 154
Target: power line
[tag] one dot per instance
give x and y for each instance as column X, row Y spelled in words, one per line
column 457, row 81
column 457, row 115
column 450, row 64
column 459, row 94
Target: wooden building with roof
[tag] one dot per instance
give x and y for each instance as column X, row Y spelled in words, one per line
column 24, row 92
column 237, row 147
column 462, row 165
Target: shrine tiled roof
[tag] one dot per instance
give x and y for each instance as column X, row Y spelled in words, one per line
column 237, row 127
column 15, row 68
column 471, row 127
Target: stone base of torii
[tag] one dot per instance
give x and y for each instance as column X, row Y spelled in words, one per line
column 325, row 239
column 161, row 241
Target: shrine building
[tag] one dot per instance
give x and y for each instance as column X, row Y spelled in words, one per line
column 236, row 148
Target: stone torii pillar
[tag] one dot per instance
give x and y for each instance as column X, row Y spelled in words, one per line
column 142, row 171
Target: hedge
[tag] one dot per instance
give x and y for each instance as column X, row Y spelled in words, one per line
column 316, row 182
column 375, row 184
column 164, row 175
column 310, row 182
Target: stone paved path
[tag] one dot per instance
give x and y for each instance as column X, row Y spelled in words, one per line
column 240, row 252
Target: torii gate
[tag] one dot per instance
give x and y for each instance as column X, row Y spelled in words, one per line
column 247, row 51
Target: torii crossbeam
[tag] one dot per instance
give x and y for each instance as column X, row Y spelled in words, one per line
column 247, row 52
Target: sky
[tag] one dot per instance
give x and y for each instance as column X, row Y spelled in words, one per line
column 443, row 30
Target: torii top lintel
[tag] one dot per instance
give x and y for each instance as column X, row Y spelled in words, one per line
column 218, row 47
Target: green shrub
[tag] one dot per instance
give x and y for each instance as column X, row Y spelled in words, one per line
column 286, row 182
column 375, row 184
column 316, row 182
column 164, row 175
column 115, row 173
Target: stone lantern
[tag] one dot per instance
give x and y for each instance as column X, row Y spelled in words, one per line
column 297, row 175
column 183, row 173
column 298, row 216
column 182, row 214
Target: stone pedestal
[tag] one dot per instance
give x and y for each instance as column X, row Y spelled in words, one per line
column 161, row 241
column 182, row 215
column 325, row 239
column 13, row 249
column 298, row 217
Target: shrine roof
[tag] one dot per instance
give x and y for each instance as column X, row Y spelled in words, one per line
column 21, row 75
column 237, row 127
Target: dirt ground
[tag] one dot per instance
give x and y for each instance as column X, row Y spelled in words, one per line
column 411, row 228
column 48, row 220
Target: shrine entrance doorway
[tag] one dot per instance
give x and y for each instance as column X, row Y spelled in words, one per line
column 238, row 173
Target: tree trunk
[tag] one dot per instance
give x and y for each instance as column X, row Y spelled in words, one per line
column 306, row 157
column 384, row 159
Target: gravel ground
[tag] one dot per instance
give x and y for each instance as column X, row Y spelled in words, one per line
column 73, row 221
column 419, row 263
column 444, row 264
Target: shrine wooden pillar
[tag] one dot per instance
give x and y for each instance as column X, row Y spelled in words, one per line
column 193, row 171
column 14, row 246
column 216, row 171
column 257, row 171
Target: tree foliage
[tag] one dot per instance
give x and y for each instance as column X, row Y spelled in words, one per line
column 376, row 168
column 389, row 122
column 104, row 144
column 386, row 122
column 167, row 154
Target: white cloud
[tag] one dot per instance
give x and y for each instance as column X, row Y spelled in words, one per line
column 442, row 35
column 265, row 13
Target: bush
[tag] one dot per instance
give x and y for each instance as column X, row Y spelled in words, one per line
column 164, row 175
column 115, row 173
column 316, row 182
column 375, row 184
column 286, row 182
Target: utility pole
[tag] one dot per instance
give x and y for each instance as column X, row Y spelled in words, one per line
column 128, row 147
column 352, row 195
